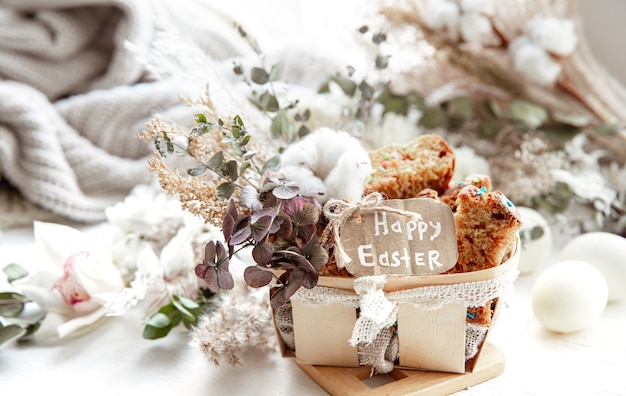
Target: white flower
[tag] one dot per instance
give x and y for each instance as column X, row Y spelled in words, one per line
column 464, row 19
column 394, row 129
column 589, row 186
column 469, row 163
column 442, row 16
column 77, row 274
column 475, row 28
column 322, row 154
column 484, row 7
column 146, row 217
column 556, row 36
column 534, row 62
column 159, row 277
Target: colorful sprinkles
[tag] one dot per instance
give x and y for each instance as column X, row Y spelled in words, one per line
column 469, row 315
column 481, row 191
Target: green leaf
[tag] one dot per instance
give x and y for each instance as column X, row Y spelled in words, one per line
column 367, row 91
column 216, row 162
column 244, row 167
column 276, row 72
column 259, row 75
column 12, row 304
column 268, row 102
column 417, row 101
column 225, row 190
column 379, row 38
column 231, row 169
column 197, row 171
column 248, row 154
column 10, row 332
column 530, row 113
column 30, row 330
column 490, row 128
column 347, row 85
column 14, row 272
column 201, row 118
column 434, row 118
column 493, row 108
column 272, row 164
column 235, row 131
column 187, row 316
column 303, row 131
column 324, row 88
column 382, row 61
column 238, row 121
column 607, row 128
column 575, row 120
column 158, row 326
column 280, row 125
column 463, row 106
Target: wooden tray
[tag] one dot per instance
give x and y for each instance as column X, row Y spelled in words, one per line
column 350, row 381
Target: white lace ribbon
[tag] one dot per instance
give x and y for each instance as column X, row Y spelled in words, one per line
column 377, row 312
column 379, row 308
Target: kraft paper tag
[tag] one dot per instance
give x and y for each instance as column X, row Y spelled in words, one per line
column 379, row 242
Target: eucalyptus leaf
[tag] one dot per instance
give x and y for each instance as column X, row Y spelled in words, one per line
column 575, row 120
column 367, row 91
column 276, row 72
column 490, row 128
column 531, row 114
column 225, row 191
column 272, row 164
column 268, row 102
column 201, row 118
column 417, row 101
column 259, row 75
column 280, row 125
column 197, row 171
column 10, row 332
column 12, row 304
column 237, row 148
column 347, row 85
column 14, row 272
column 303, row 131
column 607, row 128
column 216, row 162
column 382, row 61
column 493, row 108
column 379, row 38
column 463, row 106
column 30, row 331
column 244, row 166
column 433, row 119
column 231, row 169
column 187, row 316
column 158, row 326
column 324, row 88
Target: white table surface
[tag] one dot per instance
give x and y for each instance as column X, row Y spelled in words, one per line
column 114, row 359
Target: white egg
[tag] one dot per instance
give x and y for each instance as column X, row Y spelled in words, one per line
column 605, row 251
column 569, row 296
column 536, row 238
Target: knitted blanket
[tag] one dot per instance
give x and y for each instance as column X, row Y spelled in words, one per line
column 73, row 97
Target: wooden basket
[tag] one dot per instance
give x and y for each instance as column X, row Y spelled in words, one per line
column 432, row 340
